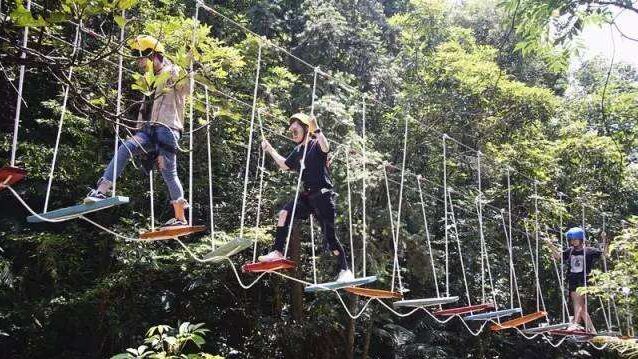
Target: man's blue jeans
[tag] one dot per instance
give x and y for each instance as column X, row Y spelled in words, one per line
column 151, row 138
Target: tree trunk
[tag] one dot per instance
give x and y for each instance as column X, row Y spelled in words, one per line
column 366, row 341
column 296, row 296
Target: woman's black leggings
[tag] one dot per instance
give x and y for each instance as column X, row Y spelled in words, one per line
column 323, row 207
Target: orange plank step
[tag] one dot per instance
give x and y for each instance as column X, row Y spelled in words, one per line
column 517, row 322
column 11, row 175
column 271, row 266
column 373, row 293
column 464, row 310
column 170, row 232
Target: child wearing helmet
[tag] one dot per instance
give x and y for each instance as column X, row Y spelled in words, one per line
column 160, row 125
column 579, row 260
column 317, row 198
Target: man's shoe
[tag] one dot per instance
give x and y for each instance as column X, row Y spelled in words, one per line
column 271, row 257
column 94, row 196
column 174, row 222
column 345, row 275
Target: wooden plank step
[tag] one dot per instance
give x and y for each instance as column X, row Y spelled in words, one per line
column 464, row 310
column 517, row 322
column 228, row 249
column 67, row 213
column 494, row 314
column 272, row 266
column 339, row 285
column 425, row 302
column 545, row 328
column 373, row 293
column 170, row 232
column 11, row 175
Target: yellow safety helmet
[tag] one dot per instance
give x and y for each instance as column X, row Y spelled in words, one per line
column 303, row 118
column 143, row 43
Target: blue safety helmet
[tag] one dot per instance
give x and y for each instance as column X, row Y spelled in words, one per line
column 575, row 233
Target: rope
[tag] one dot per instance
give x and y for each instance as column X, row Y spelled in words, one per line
column 56, row 148
column 540, row 301
column 535, row 257
column 394, row 242
column 584, row 258
column 118, row 107
column 262, row 169
column 363, row 184
column 250, row 142
column 445, row 198
column 349, row 210
column 509, row 237
column 458, row 244
column 209, row 157
column 398, row 226
column 150, row 181
column 479, row 211
column 427, row 240
column 16, row 121
column 565, row 311
column 513, row 278
column 302, row 165
column 485, row 253
column 190, row 120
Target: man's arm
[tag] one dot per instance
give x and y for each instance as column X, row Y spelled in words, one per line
column 320, row 136
column 279, row 159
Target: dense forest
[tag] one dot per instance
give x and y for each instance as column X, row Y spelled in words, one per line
column 464, row 135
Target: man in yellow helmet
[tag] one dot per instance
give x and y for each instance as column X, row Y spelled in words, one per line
column 161, row 123
column 318, row 198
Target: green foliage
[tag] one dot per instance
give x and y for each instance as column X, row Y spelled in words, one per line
column 167, row 342
column 448, row 70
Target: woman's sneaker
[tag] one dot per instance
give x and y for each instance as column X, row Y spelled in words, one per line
column 345, row 275
column 94, row 196
column 272, row 256
column 174, row 222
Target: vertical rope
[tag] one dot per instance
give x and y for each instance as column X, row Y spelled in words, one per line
column 118, row 108
column 209, row 156
column 427, row 237
column 458, row 245
column 509, row 237
column 485, row 252
column 350, row 209
column 150, row 176
column 262, row 169
column 302, row 165
column 191, row 75
column 535, row 257
column 250, row 141
column 312, row 245
column 363, row 187
column 609, row 323
column 394, row 243
column 65, row 99
column 16, row 122
column 565, row 311
column 541, row 301
column 584, row 256
column 510, row 249
column 445, row 197
column 480, row 215
column 398, row 226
